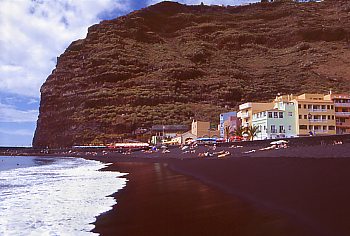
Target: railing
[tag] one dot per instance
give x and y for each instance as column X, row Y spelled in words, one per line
column 275, row 131
column 244, row 115
column 318, row 120
column 342, row 113
column 340, row 104
column 317, row 110
column 317, row 131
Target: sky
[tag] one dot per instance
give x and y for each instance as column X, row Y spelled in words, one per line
column 33, row 33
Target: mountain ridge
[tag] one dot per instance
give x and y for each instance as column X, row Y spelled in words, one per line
column 169, row 63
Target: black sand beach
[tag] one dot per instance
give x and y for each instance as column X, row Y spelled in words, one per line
column 299, row 190
column 180, row 194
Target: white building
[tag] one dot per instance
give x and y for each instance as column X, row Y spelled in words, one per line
column 278, row 122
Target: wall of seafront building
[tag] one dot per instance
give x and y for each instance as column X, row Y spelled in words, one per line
column 315, row 115
column 276, row 123
column 227, row 119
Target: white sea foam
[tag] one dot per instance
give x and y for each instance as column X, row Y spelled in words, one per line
column 62, row 198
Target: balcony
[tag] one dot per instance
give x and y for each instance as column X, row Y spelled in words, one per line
column 318, row 110
column 341, row 104
column 342, row 113
column 319, row 131
column 246, row 124
column 343, row 124
column 317, row 120
column 244, row 115
column 275, row 131
column 245, row 106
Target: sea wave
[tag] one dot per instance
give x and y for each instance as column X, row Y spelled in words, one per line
column 62, row 198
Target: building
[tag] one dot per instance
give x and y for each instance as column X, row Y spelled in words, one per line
column 184, row 138
column 247, row 110
column 314, row 114
column 166, row 132
column 342, row 111
column 278, row 122
column 204, row 129
column 228, row 119
column 233, row 122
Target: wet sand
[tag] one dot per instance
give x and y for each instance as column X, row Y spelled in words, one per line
column 183, row 195
column 158, row 201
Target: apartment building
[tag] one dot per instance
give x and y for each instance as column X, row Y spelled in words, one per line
column 278, row 122
column 247, row 110
column 314, row 113
column 342, row 111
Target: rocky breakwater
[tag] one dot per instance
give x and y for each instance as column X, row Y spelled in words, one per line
column 168, row 63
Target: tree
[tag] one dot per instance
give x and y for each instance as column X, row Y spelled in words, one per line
column 239, row 131
column 252, row 131
column 227, row 132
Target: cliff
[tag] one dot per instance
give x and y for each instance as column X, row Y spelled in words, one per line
column 168, row 63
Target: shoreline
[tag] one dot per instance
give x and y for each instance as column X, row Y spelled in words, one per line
column 301, row 190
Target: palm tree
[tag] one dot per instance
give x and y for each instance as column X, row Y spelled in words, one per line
column 227, row 132
column 252, row 131
column 239, row 131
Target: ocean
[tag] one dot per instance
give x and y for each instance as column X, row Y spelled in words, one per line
column 54, row 196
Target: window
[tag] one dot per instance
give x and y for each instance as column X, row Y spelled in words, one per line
column 304, row 106
column 302, row 126
column 281, row 129
column 280, row 114
column 332, row 107
column 300, row 117
column 299, row 106
column 309, row 107
column 324, row 127
column 328, row 107
column 264, row 127
column 329, row 117
column 270, row 114
column 332, row 117
column 324, row 117
column 305, row 117
column 323, row 107
column 290, row 113
column 331, row 127
column 289, row 127
column 275, row 115
column 273, row 129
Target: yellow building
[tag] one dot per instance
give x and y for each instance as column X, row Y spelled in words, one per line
column 315, row 114
column 247, row 110
column 203, row 129
column 342, row 111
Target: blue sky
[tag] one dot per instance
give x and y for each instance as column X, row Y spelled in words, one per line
column 33, row 34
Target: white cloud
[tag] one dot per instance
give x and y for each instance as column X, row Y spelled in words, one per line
column 9, row 113
column 33, row 33
column 209, row 2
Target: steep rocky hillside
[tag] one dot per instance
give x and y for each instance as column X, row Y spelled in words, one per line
column 168, row 63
